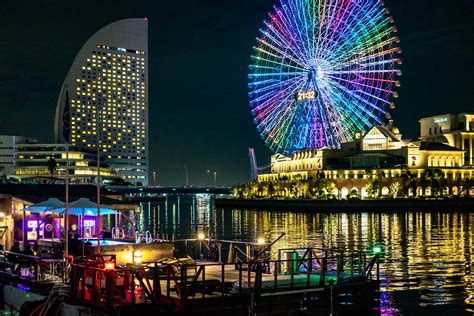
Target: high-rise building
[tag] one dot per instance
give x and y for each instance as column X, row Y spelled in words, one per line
column 104, row 98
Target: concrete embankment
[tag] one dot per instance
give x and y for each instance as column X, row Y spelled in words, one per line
column 464, row 204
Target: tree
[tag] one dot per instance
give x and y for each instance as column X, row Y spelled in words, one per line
column 270, row 190
column 52, row 166
column 394, row 188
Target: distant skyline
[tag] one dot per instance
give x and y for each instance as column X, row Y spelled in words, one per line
column 199, row 52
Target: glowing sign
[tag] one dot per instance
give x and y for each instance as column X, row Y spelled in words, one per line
column 89, row 223
column 441, row 120
column 306, row 95
column 34, row 224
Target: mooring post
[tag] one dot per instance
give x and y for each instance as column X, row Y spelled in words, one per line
column 275, row 274
column 109, row 279
column 168, row 281
column 240, row 277
column 219, row 249
column 223, row 278
column 322, row 280
column 378, row 267
column 203, row 281
column 309, row 268
column 132, row 287
column 156, row 284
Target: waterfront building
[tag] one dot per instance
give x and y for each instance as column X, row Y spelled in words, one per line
column 380, row 155
column 23, row 159
column 104, row 98
column 457, row 130
column 80, row 164
column 8, row 149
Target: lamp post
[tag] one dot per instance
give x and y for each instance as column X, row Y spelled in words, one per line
column 97, row 124
column 201, row 237
column 66, row 216
column 154, row 178
column 215, row 176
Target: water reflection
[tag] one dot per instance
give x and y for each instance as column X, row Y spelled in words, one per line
column 429, row 254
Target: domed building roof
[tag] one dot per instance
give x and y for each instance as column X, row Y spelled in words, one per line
column 395, row 130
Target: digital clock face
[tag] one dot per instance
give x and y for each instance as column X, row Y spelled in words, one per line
column 306, row 95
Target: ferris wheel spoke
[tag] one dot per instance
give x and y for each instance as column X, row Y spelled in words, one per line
column 280, row 40
column 279, row 106
column 379, row 62
column 372, row 36
column 286, row 39
column 275, row 62
column 359, row 84
column 286, row 117
column 328, row 35
column 293, row 33
column 376, row 46
column 346, row 104
column 271, row 87
column 355, row 32
column 270, row 95
column 283, row 54
column 359, row 71
column 346, row 91
column 281, row 57
column 286, row 35
column 277, row 74
column 302, row 33
column 336, row 114
column 357, row 42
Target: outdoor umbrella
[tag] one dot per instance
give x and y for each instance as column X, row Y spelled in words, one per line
column 86, row 207
column 49, row 206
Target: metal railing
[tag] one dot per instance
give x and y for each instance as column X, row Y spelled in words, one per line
column 32, row 268
column 175, row 280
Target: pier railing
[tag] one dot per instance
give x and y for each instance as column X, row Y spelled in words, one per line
column 176, row 281
column 31, row 268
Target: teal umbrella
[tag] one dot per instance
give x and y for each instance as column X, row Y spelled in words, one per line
column 86, row 207
column 49, row 206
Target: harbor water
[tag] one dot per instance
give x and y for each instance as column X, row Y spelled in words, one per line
column 427, row 256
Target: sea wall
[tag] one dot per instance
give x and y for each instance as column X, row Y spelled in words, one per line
column 466, row 204
column 147, row 252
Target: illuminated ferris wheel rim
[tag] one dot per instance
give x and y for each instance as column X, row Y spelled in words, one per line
column 321, row 71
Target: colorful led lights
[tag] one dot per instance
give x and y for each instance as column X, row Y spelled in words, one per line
column 344, row 51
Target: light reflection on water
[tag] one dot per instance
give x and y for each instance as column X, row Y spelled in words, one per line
column 427, row 255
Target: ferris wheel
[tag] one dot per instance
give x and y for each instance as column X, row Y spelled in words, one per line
column 322, row 70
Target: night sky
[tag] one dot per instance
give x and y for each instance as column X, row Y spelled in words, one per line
column 199, row 52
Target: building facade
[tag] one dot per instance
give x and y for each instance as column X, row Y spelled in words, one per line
column 104, row 99
column 457, row 130
column 378, row 156
column 8, row 152
column 80, row 164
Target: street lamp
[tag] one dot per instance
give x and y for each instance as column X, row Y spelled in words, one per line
column 154, row 178
column 215, row 176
